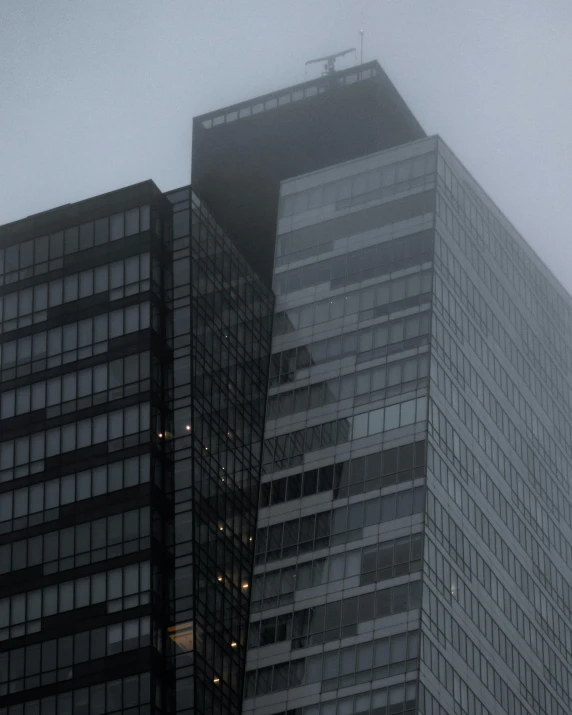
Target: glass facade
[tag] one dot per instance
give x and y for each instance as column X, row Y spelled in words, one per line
column 81, row 469
column 497, row 572
column 414, row 542
column 222, row 322
column 349, row 494
column 336, row 610
column 134, row 355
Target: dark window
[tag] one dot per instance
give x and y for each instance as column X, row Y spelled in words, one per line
column 310, row 482
column 71, row 240
column 26, row 254
column 86, row 235
column 101, row 233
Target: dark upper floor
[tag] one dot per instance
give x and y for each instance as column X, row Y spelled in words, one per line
column 242, row 152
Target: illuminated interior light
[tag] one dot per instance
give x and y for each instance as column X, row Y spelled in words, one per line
column 182, row 634
column 221, row 528
column 233, row 644
column 244, row 585
column 188, row 428
column 219, row 578
column 216, row 680
column 160, row 435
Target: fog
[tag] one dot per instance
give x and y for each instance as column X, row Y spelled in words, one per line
column 98, row 94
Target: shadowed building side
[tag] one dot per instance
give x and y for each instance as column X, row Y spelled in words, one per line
column 243, row 152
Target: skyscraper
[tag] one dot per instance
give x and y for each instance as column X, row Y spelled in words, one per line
column 134, row 355
column 413, row 547
column 413, row 544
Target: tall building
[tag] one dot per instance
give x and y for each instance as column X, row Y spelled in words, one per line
column 134, row 355
column 336, row 610
column 381, row 487
column 413, row 552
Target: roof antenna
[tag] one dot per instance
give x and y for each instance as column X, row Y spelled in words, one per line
column 361, row 43
column 330, row 61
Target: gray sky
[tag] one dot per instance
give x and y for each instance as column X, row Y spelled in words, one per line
column 98, row 94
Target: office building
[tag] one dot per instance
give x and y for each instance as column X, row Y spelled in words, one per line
column 399, row 533
column 413, row 547
column 134, row 357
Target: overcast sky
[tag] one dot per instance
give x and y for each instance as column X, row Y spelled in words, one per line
column 99, row 94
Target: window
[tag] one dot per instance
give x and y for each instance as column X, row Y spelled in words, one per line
column 116, row 227
column 131, row 222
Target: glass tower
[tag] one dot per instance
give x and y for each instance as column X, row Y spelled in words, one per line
column 134, row 355
column 354, row 487
column 222, row 322
column 413, row 552
column 81, row 470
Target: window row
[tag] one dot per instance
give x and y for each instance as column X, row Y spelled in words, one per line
column 542, row 490
column 76, row 435
column 491, row 677
column 396, row 700
column 530, row 355
column 79, row 545
column 352, row 476
column 341, row 668
column 40, row 502
column 25, row 256
column 286, row 450
column 545, row 381
column 526, row 506
column 106, row 380
column 72, row 341
column 464, row 554
column 53, row 660
column 113, row 587
column 107, row 698
column 544, row 567
column 544, row 570
column 338, row 526
column 388, row 418
column 448, row 349
column 366, row 303
column 359, row 185
column 335, row 620
column 36, row 300
column 465, row 699
column 554, row 337
column 295, row 96
column 529, row 434
column 373, row 340
column 441, row 573
column 445, row 627
column 515, row 263
column 365, row 386
column 546, row 463
column 359, row 265
column 555, row 671
column 323, row 236
column 277, row 588
column 390, row 559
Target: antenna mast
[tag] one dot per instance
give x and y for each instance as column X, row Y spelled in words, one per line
column 330, row 60
column 361, row 43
